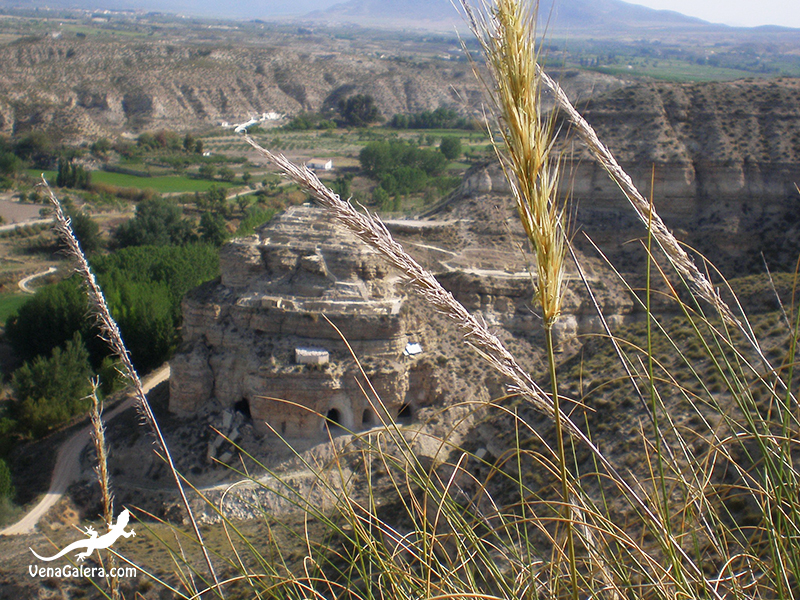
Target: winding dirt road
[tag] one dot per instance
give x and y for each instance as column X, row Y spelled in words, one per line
column 23, row 283
column 68, row 467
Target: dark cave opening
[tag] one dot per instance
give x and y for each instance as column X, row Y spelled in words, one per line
column 243, row 407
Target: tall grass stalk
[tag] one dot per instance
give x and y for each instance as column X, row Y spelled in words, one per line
column 101, row 470
column 109, row 332
column 512, row 54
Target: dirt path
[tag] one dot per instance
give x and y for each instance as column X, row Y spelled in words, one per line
column 11, row 226
column 23, row 283
column 67, row 467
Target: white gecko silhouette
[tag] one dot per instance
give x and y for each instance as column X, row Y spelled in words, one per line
column 95, row 542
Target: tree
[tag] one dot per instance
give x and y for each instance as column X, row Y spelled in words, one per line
column 189, row 142
column 226, row 174
column 381, row 197
column 341, row 185
column 242, row 202
column 86, row 230
column 207, row 171
column 216, row 198
column 441, row 118
column 72, row 175
column 9, row 163
column 143, row 286
column 147, row 140
column 101, row 148
column 213, row 228
column 50, row 391
column 399, row 166
column 166, row 138
column 450, row 147
column 6, row 486
column 36, row 147
column 146, row 316
column 156, row 222
column 359, row 110
column 48, row 319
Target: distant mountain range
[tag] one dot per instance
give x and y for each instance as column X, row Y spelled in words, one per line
column 568, row 14
column 564, row 14
column 590, row 16
column 243, row 9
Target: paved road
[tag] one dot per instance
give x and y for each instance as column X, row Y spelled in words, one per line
column 68, row 467
column 23, row 283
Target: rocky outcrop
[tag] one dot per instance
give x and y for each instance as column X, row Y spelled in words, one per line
column 289, row 287
column 725, row 158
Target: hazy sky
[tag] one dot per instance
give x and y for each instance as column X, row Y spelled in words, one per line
column 734, row 12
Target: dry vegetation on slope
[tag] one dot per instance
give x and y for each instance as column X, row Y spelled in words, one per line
column 746, row 121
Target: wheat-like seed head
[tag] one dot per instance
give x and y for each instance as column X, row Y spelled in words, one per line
column 508, row 39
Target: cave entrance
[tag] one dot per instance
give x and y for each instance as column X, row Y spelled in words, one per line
column 243, row 407
column 334, row 419
column 406, row 413
column 367, row 418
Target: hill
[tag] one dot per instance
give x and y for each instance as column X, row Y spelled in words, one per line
column 81, row 87
column 579, row 15
column 725, row 156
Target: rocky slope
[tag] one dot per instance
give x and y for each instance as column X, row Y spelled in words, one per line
column 82, row 88
column 90, row 87
column 264, row 340
column 726, row 160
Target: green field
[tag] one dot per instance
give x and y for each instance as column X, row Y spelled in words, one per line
column 164, row 184
column 684, row 71
column 9, row 304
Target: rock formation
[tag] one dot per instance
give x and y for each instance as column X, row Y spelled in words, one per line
column 246, row 334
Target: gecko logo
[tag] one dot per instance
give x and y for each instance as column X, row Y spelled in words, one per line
column 94, row 541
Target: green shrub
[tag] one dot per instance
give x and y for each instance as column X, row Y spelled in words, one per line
column 156, row 222
column 450, row 147
column 50, row 391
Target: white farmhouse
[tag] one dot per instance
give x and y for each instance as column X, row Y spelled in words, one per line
column 320, row 164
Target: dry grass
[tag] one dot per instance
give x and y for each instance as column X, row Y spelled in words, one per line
column 554, row 516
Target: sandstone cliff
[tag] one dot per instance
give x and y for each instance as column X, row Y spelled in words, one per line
column 726, row 158
column 244, row 334
column 82, row 88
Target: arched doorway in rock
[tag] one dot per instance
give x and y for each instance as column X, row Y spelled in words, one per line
column 367, row 418
column 333, row 420
column 243, row 406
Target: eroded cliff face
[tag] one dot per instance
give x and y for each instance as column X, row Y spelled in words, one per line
column 726, row 159
column 83, row 89
column 281, row 292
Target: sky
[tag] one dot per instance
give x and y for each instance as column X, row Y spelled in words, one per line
column 740, row 13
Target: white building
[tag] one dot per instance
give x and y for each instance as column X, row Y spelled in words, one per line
column 320, row 164
column 311, row 356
